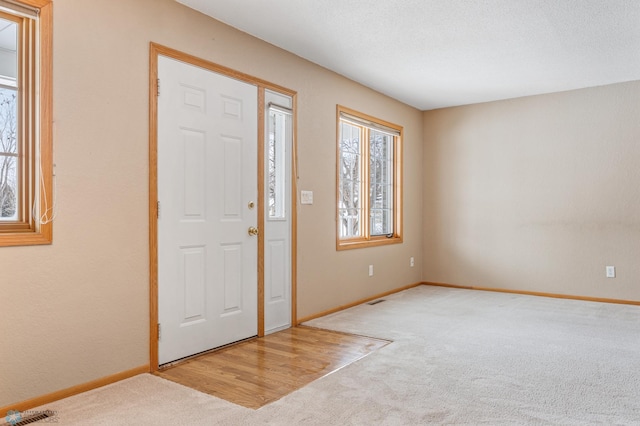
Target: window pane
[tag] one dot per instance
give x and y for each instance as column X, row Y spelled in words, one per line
column 276, row 164
column 381, row 182
column 8, row 53
column 8, row 155
column 350, row 182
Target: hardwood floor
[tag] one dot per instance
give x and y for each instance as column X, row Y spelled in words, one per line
column 257, row 372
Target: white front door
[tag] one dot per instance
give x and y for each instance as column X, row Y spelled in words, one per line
column 207, row 190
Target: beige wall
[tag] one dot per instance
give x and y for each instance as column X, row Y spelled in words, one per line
column 77, row 310
column 537, row 193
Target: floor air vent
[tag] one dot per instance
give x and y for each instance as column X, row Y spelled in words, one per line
column 31, row 419
column 375, row 302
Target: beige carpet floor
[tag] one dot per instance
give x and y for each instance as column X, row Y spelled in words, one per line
column 458, row 357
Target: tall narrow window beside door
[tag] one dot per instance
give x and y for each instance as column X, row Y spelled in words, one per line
column 25, row 122
column 279, row 128
column 369, row 178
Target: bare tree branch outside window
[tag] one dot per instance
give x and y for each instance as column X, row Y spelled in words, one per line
column 349, row 203
column 8, row 154
column 380, row 183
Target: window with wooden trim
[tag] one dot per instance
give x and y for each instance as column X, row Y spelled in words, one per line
column 25, row 122
column 369, row 181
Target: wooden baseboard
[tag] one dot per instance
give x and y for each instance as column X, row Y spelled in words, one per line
column 359, row 302
column 538, row 293
column 74, row 390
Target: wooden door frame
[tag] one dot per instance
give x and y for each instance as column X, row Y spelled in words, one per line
column 156, row 50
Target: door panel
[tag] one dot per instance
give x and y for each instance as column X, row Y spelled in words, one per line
column 207, row 176
column 277, row 261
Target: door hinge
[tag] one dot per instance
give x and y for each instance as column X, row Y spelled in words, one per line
column 158, row 210
column 159, row 332
column 158, row 86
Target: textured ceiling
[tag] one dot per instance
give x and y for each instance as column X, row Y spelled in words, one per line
column 439, row 53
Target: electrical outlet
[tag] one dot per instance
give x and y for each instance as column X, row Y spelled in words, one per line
column 611, row 271
column 370, row 270
column 412, row 262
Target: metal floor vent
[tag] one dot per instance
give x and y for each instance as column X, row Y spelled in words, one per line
column 32, row 419
column 375, row 302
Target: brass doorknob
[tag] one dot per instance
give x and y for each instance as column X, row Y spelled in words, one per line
column 253, row 231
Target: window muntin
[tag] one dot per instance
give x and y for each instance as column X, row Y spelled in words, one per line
column 368, row 181
column 25, row 122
